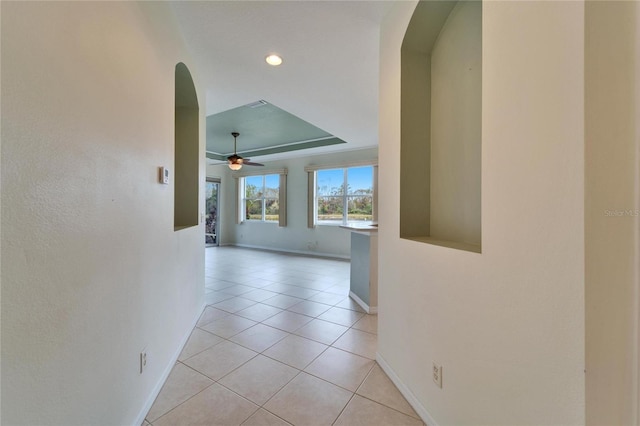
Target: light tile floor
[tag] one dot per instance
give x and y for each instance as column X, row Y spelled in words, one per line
column 279, row 343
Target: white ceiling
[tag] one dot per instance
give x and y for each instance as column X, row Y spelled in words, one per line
column 329, row 76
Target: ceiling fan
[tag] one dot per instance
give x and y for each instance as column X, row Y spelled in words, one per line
column 235, row 161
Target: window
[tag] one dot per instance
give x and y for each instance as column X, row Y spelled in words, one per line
column 261, row 198
column 344, row 195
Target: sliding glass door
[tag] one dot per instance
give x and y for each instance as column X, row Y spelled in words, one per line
column 212, row 226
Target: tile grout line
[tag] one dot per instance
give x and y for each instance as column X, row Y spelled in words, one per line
column 186, row 400
column 311, row 292
column 389, row 407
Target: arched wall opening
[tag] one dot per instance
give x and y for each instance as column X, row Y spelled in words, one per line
column 186, row 165
column 441, row 125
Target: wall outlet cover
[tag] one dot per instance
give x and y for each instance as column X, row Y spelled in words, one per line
column 437, row 374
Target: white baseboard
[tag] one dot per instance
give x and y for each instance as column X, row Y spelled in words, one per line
column 300, row 252
column 368, row 309
column 165, row 375
column 404, row 390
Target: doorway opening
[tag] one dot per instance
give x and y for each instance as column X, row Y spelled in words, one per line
column 212, row 225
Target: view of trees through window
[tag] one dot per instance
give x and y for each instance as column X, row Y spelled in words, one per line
column 262, row 197
column 344, row 195
column 211, row 201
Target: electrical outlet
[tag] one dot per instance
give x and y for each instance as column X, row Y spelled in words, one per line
column 437, row 374
column 143, row 360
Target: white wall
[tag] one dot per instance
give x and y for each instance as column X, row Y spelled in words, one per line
column 296, row 236
column 92, row 270
column 507, row 325
column 611, row 211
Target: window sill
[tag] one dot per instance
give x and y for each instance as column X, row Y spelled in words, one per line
column 348, row 224
column 274, row 222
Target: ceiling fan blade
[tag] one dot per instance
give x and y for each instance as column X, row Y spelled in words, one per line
column 236, row 159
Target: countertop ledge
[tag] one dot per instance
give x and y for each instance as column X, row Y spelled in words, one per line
column 367, row 227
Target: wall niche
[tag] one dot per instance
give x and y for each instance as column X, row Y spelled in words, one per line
column 441, row 125
column 186, row 160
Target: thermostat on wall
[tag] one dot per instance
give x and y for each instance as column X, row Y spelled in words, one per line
column 164, row 176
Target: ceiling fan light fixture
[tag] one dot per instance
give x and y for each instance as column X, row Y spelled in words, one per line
column 273, row 60
column 235, row 161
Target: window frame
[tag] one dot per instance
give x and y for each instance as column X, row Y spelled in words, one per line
column 312, row 207
column 282, row 195
column 263, row 198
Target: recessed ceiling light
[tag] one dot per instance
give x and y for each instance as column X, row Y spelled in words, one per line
column 274, row 60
